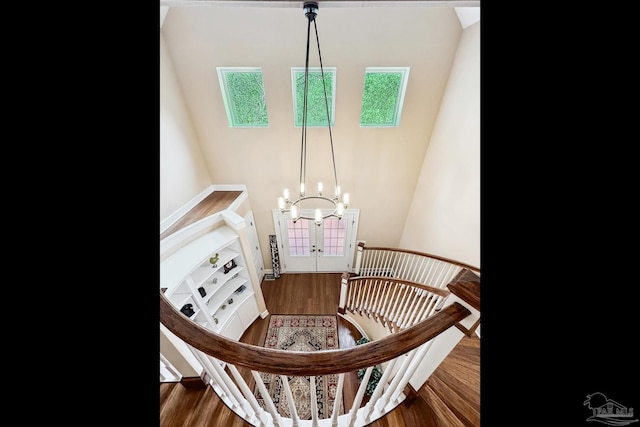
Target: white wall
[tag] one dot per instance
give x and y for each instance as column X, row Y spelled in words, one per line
column 371, row 162
column 444, row 217
column 427, row 169
column 183, row 172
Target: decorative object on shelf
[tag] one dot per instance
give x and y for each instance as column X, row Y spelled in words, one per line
column 214, row 280
column 215, row 319
column 187, row 310
column 275, row 256
column 240, row 290
column 202, row 291
column 285, row 204
column 235, row 275
column 375, row 376
column 223, row 306
column 213, row 260
column 228, row 266
column 230, row 301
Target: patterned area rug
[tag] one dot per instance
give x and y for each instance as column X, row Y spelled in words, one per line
column 302, row 333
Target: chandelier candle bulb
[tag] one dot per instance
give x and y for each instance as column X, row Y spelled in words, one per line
column 294, row 212
column 281, row 203
column 337, row 191
column 345, row 199
column 285, row 193
column 302, row 189
column 340, row 210
column 318, row 217
column 320, row 188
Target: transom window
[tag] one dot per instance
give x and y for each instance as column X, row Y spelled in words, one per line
column 243, row 96
column 383, row 96
column 316, row 106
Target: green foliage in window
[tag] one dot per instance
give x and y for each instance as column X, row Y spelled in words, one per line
column 316, row 106
column 246, row 98
column 380, row 99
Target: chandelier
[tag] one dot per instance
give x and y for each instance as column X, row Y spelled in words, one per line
column 294, row 206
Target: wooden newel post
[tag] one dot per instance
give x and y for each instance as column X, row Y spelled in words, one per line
column 465, row 290
column 344, row 288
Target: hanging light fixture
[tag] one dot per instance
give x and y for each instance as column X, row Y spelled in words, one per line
column 294, row 206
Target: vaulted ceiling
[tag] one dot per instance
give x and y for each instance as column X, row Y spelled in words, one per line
column 200, row 35
column 468, row 11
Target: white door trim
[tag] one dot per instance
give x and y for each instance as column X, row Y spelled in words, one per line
column 279, row 221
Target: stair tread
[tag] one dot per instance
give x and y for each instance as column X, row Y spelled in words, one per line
column 181, row 400
column 459, row 405
column 444, row 415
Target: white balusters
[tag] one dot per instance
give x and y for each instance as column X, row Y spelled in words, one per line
column 292, row 405
column 221, row 378
column 389, row 392
column 271, row 408
column 414, row 362
column 351, row 419
column 314, row 401
column 259, row 413
column 337, row 401
column 367, row 298
column 407, row 307
column 378, row 391
column 411, row 310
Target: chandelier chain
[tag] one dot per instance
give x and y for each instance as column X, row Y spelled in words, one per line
column 295, row 206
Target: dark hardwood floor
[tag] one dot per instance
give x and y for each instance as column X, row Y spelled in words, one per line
column 451, row 397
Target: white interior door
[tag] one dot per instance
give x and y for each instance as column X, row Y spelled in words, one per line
column 307, row 247
column 255, row 246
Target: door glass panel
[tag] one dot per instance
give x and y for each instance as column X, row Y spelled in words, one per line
column 333, row 237
column 298, row 237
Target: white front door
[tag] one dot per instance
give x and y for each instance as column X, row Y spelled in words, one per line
column 307, row 247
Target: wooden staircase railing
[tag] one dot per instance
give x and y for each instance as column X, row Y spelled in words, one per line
column 418, row 298
column 414, row 266
column 402, row 352
column 396, row 303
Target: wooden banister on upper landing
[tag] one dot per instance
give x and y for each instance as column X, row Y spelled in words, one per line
column 362, row 246
column 419, row 267
column 307, row 363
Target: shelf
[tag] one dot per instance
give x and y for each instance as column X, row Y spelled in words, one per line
column 178, row 300
column 181, row 263
column 224, row 316
column 196, row 311
column 222, row 279
column 221, row 296
column 206, row 271
column 188, row 269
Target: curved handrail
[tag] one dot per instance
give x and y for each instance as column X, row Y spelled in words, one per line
column 424, row 254
column 322, row 362
column 399, row 303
